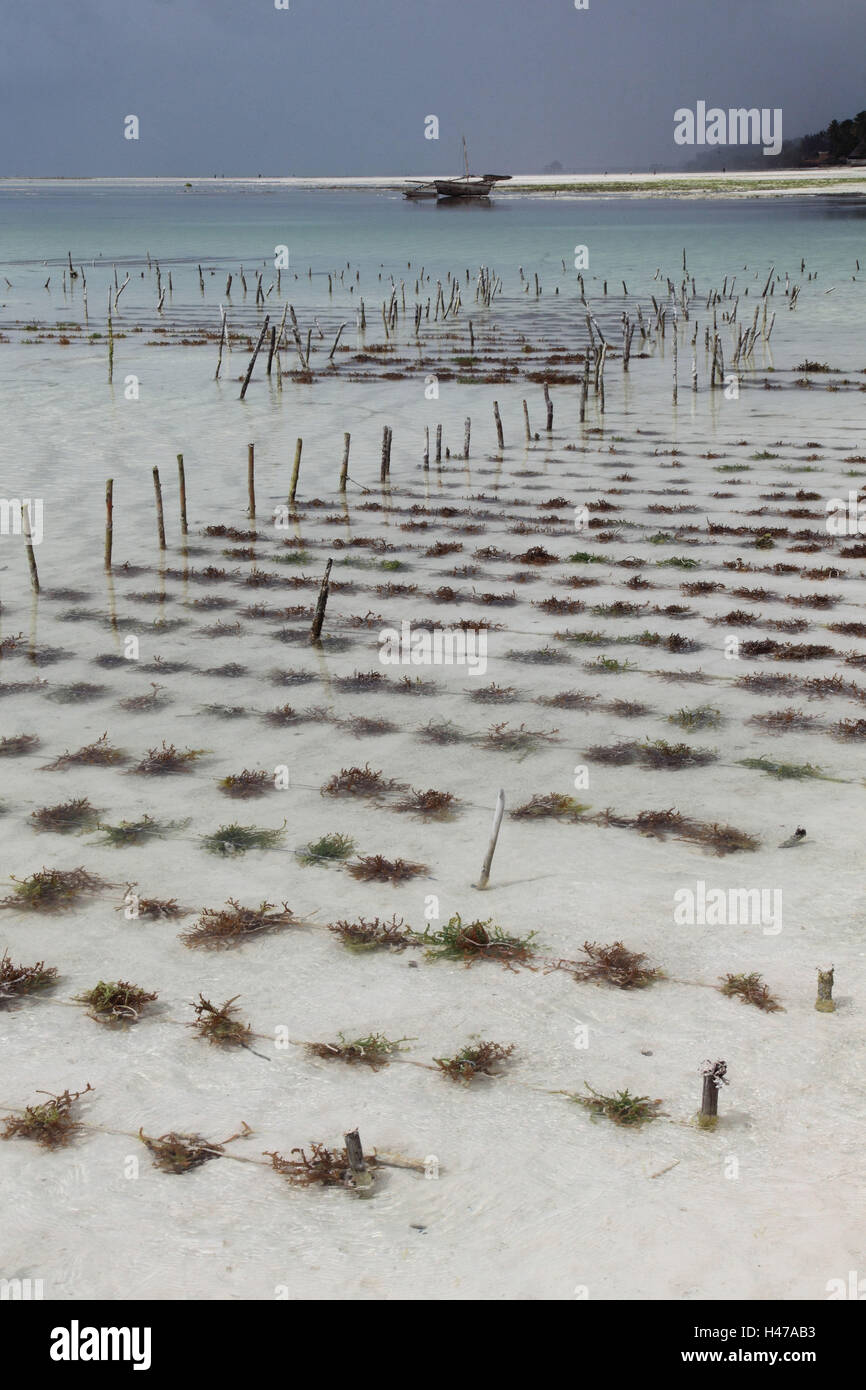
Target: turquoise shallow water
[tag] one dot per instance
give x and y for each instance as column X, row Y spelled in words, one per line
column 626, row 237
column 66, row 429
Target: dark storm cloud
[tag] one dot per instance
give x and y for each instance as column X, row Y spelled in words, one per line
column 343, row 86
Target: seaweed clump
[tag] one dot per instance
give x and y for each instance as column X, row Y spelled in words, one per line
column 52, row 890
column 430, row 805
column 327, row 849
column 220, row 927
column 360, row 781
column 476, row 941
column 750, row 989
column 97, row 754
column 165, row 760
column 325, row 1167
column 218, row 1024
column 550, row 806
column 177, row 1153
column 374, row 935
column 237, row 839
column 66, row 817
column 15, row 745
column 115, row 1002
column 476, row 1059
column 51, row 1124
column 623, row 1108
column 614, row 964
column 18, row 980
column 374, row 1051
column 242, row 785
column 376, row 868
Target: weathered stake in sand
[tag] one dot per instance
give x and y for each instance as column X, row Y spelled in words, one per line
column 256, row 351
column 824, row 1003
column 181, row 477
column 358, row 1164
column 160, row 517
column 28, row 540
column 713, row 1080
column 494, row 836
column 293, row 487
column 321, row 605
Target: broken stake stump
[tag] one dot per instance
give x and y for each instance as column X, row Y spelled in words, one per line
column 494, row 836
column 714, row 1078
column 355, row 1154
column 824, row 1003
column 321, row 605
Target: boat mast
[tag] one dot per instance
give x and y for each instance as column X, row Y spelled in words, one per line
column 465, row 158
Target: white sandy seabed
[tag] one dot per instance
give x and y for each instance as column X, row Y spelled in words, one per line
column 533, row 1200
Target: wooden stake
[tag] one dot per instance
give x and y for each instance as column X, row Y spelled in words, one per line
column 321, row 605
column 222, row 340
column 438, row 443
column 713, row 1080
column 355, row 1154
column 265, row 326
column 494, row 836
column 824, row 1003
column 109, row 521
column 296, row 468
column 181, row 477
column 251, row 478
column 336, row 341
column 426, row 448
column 497, row 417
column 385, row 466
column 344, row 470
column 160, row 518
column 28, row 540
column 549, row 403
column 467, row 429
column 526, row 422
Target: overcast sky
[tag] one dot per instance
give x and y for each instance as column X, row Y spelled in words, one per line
column 343, row 86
